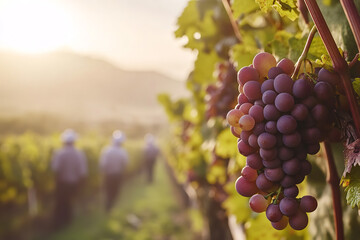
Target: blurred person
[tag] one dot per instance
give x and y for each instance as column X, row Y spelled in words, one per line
column 113, row 161
column 70, row 167
column 151, row 153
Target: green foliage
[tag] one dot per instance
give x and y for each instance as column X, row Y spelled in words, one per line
column 353, row 188
column 356, row 86
column 240, row 7
column 283, row 7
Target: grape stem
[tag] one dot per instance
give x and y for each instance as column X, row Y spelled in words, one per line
column 339, row 63
column 354, row 61
column 304, row 53
column 232, row 20
column 353, row 18
column 332, row 178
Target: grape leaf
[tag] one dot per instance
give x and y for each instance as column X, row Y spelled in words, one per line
column 352, row 156
column 204, row 67
column 243, row 6
column 283, row 7
column 242, row 55
column 356, row 86
column 226, row 146
column 353, row 189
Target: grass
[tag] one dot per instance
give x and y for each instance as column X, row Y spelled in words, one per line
column 143, row 211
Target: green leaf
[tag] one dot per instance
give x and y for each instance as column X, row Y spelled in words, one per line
column 236, row 204
column 204, row 67
column 243, row 6
column 353, row 194
column 242, row 55
column 356, row 86
column 316, row 51
column 283, row 7
column 226, row 144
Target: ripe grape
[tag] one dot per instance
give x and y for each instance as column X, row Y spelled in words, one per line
column 291, row 192
column 288, row 206
column 262, row 62
column 256, row 112
column 252, row 90
column 233, row 117
column 247, row 122
column 282, row 224
column 258, row 203
column 249, row 174
column 267, row 85
column 284, row 102
column 273, row 213
column 302, row 88
column 266, row 140
column 247, row 74
column 298, row 221
column 325, row 75
column 287, row 66
column 245, row 188
column 271, row 112
column 308, row 203
column 286, row 124
column 269, row 96
column 274, row 72
column 283, row 83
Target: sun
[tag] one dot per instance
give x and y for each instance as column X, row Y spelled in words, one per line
column 34, row 26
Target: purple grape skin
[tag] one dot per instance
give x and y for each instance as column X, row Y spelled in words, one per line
column 270, row 127
column 313, row 148
column 256, row 112
column 285, row 153
column 302, row 88
column 258, row 128
column 283, row 83
column 271, row 112
column 252, row 90
column 267, row 85
column 245, row 149
column 274, row 174
column 242, row 99
column 260, row 103
column 291, row 192
column 273, row 213
column 299, row 178
column 299, row 221
column 310, row 102
column 311, row 135
column 320, row 113
column 300, row 112
column 288, row 181
column 274, row 72
column 292, row 140
column 324, row 92
column 275, row 163
column 253, row 141
column 266, row 140
column 330, row 77
column 284, row 102
column 268, row 154
column 254, row 161
column 245, row 188
column 292, row 166
column 263, row 183
column 286, row 124
column 269, row 96
column 308, row 203
column 306, row 167
column 244, row 135
column 288, row 206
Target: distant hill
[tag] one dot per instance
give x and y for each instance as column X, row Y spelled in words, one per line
column 80, row 87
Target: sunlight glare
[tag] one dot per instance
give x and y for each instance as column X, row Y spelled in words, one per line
column 34, row 26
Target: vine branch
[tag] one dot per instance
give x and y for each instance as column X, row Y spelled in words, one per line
column 332, row 178
column 353, row 18
column 338, row 61
column 232, row 20
column 304, row 53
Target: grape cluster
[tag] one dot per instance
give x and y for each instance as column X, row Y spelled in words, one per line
column 221, row 97
column 278, row 122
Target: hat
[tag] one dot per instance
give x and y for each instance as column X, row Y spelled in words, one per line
column 69, row 136
column 118, row 137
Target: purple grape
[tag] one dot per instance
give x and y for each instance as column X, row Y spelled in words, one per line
column 254, row 161
column 308, row 203
column 269, row 96
column 285, row 153
column 324, row 92
column 258, row 128
column 306, row 167
column 266, row 140
column 286, row 124
column 274, row 72
column 252, row 90
column 301, row 88
column 299, row 221
column 274, row 163
column 270, row 127
column 283, row 83
column 244, row 135
column 268, row 154
column 288, row 206
column 256, row 112
column 292, row 166
column 313, row 148
column 320, row 113
column 284, row 102
column 245, row 188
column 311, row 135
column 300, row 112
column 253, row 141
column 267, row 85
column 273, row 213
column 274, row 174
column 245, row 149
column 309, row 102
column 271, row 113
column 263, row 183
column 288, row 181
column 291, row 192
column 292, row 140
column 330, row 77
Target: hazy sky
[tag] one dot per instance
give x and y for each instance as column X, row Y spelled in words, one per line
column 133, row 34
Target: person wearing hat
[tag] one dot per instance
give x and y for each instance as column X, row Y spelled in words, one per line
column 113, row 161
column 151, row 152
column 70, row 167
